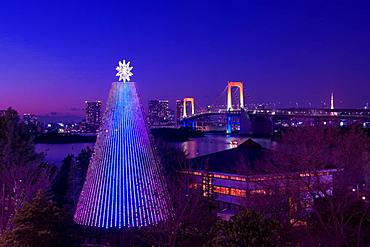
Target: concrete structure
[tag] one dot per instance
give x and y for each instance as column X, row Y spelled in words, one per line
column 256, row 124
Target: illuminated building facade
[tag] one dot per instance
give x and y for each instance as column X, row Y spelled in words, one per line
column 179, row 111
column 124, row 186
column 237, row 179
column 160, row 114
column 93, row 115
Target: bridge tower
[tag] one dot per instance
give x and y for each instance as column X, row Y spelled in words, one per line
column 184, row 112
column 231, row 116
column 239, row 85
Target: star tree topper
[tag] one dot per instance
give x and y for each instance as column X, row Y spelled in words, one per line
column 124, row 71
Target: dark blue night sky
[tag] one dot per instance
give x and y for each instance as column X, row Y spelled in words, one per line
column 54, row 55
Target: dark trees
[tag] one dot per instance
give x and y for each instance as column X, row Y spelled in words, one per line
column 22, row 170
column 329, row 198
column 69, row 181
column 248, row 228
column 192, row 213
column 37, row 223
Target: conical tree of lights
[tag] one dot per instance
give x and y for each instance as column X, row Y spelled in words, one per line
column 124, row 185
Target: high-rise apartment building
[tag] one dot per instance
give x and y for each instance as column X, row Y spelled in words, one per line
column 93, row 115
column 179, row 111
column 159, row 113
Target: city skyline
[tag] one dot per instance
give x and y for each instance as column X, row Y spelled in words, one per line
column 79, row 114
column 185, row 123
column 283, row 52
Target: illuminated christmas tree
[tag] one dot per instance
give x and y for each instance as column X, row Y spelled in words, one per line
column 124, row 186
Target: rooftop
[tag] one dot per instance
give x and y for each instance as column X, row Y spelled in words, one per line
column 247, row 159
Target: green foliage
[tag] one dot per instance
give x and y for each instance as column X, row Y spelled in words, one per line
column 38, row 223
column 60, row 186
column 83, row 160
column 197, row 222
column 336, row 217
column 16, row 144
column 355, row 217
column 22, row 170
column 248, row 228
column 69, row 181
column 172, row 159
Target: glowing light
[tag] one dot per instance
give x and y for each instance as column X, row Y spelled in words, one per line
column 332, row 101
column 363, row 198
column 239, row 85
column 124, row 186
column 191, row 100
column 124, row 71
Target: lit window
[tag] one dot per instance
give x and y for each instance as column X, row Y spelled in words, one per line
column 237, row 192
column 254, row 192
column 221, row 190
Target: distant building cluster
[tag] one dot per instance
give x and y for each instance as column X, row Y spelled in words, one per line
column 159, row 114
column 32, row 122
column 261, row 119
column 90, row 124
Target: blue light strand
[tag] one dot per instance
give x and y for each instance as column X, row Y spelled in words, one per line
column 124, row 185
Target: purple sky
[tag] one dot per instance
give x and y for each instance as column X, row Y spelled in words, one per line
column 54, row 55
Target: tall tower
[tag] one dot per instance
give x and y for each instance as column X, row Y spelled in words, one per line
column 184, row 111
column 124, row 185
column 332, row 101
column 239, row 85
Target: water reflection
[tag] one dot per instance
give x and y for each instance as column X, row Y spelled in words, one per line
column 212, row 143
column 55, row 153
